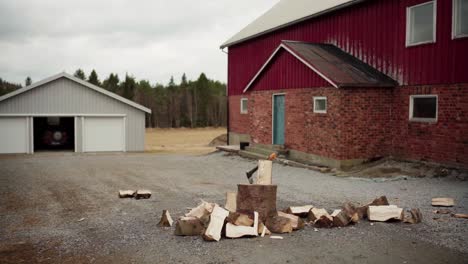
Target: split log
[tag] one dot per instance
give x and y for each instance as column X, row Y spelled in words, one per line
column 413, row 216
column 263, row 230
column 231, row 199
column 234, row 231
column 189, row 226
column 142, row 194
column 301, row 211
column 296, row 222
column 239, row 219
column 442, row 211
column 382, row 200
column 166, row 219
column 324, row 222
column 362, row 211
column 202, row 212
column 465, row 216
column 445, row 202
column 384, row 213
column 259, row 198
column 351, row 211
column 126, row 194
column 316, row 213
column 279, row 224
column 340, row 218
column 264, row 172
column 215, row 226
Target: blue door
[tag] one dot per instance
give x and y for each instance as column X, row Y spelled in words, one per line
column 278, row 119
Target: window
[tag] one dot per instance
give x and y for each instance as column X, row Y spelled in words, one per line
column 421, row 24
column 244, row 106
column 320, row 105
column 460, row 19
column 423, row 108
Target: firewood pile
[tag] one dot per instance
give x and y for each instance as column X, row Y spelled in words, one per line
column 252, row 212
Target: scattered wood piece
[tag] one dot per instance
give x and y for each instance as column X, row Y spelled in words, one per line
column 276, row 237
column 142, row 194
column 362, row 210
column 263, row 230
column 166, row 219
column 445, row 202
column 234, row 231
column 316, row 213
column 202, row 212
column 442, row 211
column 413, row 216
column 239, row 219
column 127, row 193
column 264, row 172
column 231, row 200
column 215, row 226
column 351, row 211
column 324, row 221
column 382, row 200
column 189, row 226
column 465, row 216
column 296, row 222
column 259, row 198
column 279, row 224
column 340, row 218
column 301, row 211
column 385, row 213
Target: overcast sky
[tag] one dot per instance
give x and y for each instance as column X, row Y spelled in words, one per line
column 150, row 39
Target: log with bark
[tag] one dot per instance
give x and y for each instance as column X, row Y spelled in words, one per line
column 340, row 218
column 301, row 211
column 279, row 224
column 351, row 211
column 166, row 219
column 239, row 219
column 215, row 226
column 189, row 226
column 236, row 231
column 316, row 213
column 413, row 216
column 362, row 211
column 259, row 198
column 142, row 194
column 385, row 213
column 296, row 221
column 231, row 199
column 127, row 193
column 445, row 202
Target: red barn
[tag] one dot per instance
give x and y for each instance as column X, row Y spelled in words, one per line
column 339, row 82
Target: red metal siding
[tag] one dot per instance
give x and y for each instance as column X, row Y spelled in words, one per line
column 286, row 72
column 373, row 31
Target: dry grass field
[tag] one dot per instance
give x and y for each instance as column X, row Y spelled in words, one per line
column 182, row 140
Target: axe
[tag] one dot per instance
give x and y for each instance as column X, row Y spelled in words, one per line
column 250, row 173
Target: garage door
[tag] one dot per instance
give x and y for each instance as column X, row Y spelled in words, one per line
column 103, row 134
column 14, row 136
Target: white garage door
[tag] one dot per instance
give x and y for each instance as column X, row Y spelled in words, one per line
column 14, row 136
column 104, row 134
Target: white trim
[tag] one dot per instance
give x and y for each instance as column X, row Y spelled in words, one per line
column 419, row 119
column 273, row 114
column 63, row 115
column 82, row 135
column 124, row 142
column 282, row 45
column 326, row 104
column 408, row 24
column 31, row 135
column 455, row 18
column 241, row 109
column 84, row 83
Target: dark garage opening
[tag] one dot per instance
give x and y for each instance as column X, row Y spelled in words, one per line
column 54, row 133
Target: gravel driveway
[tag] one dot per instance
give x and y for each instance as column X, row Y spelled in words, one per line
column 63, row 208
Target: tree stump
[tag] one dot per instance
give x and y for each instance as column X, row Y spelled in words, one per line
column 259, row 198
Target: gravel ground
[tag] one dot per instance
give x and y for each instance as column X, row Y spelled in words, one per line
column 63, row 208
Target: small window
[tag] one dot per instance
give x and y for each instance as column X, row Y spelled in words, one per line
column 423, row 108
column 460, row 18
column 320, row 105
column 421, row 24
column 244, row 106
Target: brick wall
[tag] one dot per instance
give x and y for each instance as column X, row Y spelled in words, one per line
column 362, row 123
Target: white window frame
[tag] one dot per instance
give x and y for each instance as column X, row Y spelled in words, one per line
column 242, row 111
column 421, row 119
column 408, row 24
column 455, row 4
column 326, row 104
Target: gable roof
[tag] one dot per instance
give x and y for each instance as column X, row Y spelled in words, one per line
column 286, row 13
column 82, row 82
column 337, row 67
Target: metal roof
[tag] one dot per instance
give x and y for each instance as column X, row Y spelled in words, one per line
column 337, row 67
column 286, row 13
column 82, row 82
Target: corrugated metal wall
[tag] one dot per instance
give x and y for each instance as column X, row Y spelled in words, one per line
column 64, row 96
column 373, row 31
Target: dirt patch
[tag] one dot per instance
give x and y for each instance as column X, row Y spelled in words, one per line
column 219, row 141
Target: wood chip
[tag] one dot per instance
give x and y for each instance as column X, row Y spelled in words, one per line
column 465, row 216
column 142, row 194
column 127, row 193
column 166, row 219
column 276, row 237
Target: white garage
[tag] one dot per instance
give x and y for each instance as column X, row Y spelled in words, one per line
column 64, row 113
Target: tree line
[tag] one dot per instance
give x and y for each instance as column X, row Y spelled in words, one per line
column 187, row 103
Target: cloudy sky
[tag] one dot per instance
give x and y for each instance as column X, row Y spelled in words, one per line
column 150, row 39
